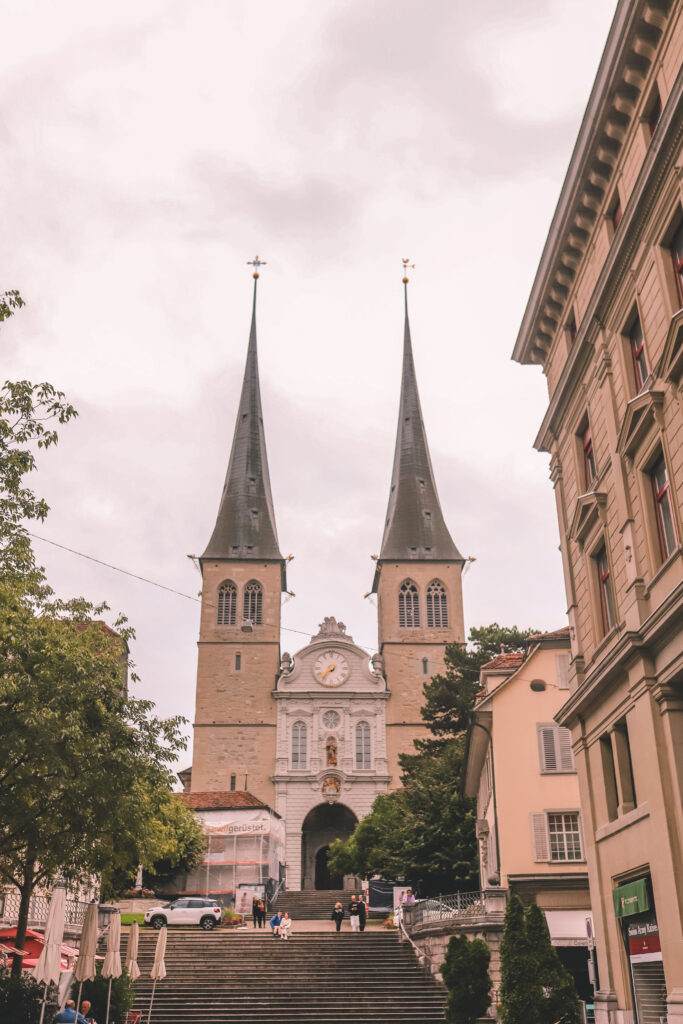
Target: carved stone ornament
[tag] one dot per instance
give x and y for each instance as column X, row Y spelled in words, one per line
column 286, row 664
column 377, row 662
column 331, row 787
column 329, row 627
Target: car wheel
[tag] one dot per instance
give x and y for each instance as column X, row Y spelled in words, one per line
column 158, row 922
column 207, row 923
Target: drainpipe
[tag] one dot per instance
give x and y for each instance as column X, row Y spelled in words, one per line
column 478, row 725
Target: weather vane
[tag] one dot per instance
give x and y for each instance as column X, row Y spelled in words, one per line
column 256, row 263
column 407, row 265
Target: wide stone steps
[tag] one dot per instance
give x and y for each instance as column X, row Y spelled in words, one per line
column 226, row 977
column 312, row 904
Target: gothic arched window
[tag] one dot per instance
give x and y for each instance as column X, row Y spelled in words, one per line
column 437, row 605
column 227, row 604
column 408, row 605
column 253, row 602
column 362, row 745
column 299, row 745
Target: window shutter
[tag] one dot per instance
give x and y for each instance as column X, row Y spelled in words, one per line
column 566, row 752
column 546, row 747
column 539, row 836
column 562, row 667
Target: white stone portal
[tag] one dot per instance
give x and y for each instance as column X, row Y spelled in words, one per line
column 331, row 758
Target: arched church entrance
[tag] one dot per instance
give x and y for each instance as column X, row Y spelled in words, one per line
column 321, row 826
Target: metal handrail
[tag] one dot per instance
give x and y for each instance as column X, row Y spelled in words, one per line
column 443, row 908
column 74, row 913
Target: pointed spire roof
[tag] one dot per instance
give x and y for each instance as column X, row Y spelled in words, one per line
column 245, row 525
column 415, row 528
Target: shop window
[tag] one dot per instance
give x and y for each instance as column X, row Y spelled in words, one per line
column 664, row 515
column 408, row 605
column 227, row 604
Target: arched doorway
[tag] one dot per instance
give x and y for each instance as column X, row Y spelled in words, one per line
column 321, row 826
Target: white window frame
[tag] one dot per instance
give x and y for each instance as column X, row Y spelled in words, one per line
column 363, row 732
column 299, row 746
column 540, row 837
column 555, row 749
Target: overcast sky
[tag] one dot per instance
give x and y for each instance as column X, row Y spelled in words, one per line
column 150, row 148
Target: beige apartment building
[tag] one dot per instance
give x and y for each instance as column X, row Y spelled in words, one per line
column 605, row 322
column 520, row 769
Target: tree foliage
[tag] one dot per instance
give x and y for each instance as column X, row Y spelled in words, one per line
column 465, row 972
column 520, row 986
column 96, row 992
column 559, row 1000
column 21, row 999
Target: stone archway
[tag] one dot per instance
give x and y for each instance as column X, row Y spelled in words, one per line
column 321, row 826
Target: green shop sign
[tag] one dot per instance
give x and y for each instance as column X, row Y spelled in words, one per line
column 631, row 899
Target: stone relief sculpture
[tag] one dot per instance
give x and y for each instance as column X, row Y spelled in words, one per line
column 286, row 664
column 331, row 750
column 377, row 662
column 329, row 627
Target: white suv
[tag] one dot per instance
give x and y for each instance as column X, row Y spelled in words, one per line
column 189, row 910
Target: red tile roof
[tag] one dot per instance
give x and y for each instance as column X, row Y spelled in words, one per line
column 556, row 634
column 221, row 801
column 505, row 660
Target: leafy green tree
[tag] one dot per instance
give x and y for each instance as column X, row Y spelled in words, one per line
column 465, row 972
column 450, row 696
column 520, row 986
column 96, row 991
column 559, row 999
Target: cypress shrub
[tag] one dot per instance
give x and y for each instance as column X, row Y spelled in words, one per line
column 465, row 972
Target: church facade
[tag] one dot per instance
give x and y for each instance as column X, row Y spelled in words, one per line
column 318, row 736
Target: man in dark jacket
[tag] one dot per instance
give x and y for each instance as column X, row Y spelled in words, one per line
column 362, row 913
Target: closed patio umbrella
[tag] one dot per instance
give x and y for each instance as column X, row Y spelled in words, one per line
column 132, row 952
column 111, row 968
column 49, row 962
column 85, row 965
column 158, row 972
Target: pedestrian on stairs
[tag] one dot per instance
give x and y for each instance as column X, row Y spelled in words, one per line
column 258, row 912
column 285, row 926
column 338, row 915
column 275, row 923
column 354, row 915
column 362, row 913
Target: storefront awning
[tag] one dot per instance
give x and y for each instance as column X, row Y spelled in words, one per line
column 632, row 898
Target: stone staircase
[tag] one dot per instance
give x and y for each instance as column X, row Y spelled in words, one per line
column 235, row 977
column 313, row 904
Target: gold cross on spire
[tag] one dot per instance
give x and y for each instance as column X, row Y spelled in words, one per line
column 256, row 263
column 407, row 265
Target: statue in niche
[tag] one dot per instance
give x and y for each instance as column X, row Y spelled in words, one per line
column 331, row 750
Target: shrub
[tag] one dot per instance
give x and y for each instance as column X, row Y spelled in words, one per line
column 559, row 999
column 122, row 996
column 465, row 972
column 21, row 999
column 520, row 987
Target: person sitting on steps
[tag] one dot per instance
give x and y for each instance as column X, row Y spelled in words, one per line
column 275, row 923
column 285, row 925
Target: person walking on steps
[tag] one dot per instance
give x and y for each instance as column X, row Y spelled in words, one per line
column 275, row 923
column 285, row 925
column 354, row 916
column 338, row 915
column 362, row 913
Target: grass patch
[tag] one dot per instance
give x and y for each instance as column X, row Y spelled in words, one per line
column 130, row 918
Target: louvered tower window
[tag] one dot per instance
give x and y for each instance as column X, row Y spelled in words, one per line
column 253, row 602
column 227, row 604
column 363, row 745
column 299, row 745
column 437, row 606
column 408, row 605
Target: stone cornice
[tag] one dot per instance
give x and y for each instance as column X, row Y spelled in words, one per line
column 660, row 158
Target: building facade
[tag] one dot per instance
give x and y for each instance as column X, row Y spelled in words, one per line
column 605, row 321
column 520, row 769
column 318, row 736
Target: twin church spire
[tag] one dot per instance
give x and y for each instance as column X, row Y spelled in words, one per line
column 245, row 526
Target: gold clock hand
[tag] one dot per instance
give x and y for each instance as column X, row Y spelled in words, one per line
column 327, row 670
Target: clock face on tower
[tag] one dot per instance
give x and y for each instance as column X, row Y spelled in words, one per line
column 331, row 668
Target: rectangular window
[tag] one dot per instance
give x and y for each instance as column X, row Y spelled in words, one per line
column 638, row 356
column 588, row 454
column 556, row 836
column 238, row 662
column 677, row 257
column 622, row 747
column 555, row 749
column 607, row 613
column 570, row 328
column 666, row 527
column 609, row 776
column 616, row 212
column 233, row 783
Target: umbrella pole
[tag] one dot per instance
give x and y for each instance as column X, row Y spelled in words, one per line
column 78, row 1004
column 149, row 1015
column 42, row 1009
column 109, row 999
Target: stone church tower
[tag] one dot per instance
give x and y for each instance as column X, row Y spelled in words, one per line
column 418, row 579
column 243, row 576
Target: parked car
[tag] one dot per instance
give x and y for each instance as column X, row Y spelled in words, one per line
column 188, row 910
